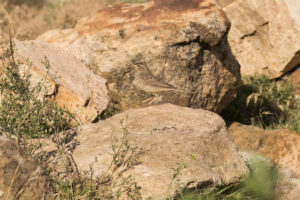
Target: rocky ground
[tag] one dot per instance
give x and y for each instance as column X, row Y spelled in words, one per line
column 147, row 84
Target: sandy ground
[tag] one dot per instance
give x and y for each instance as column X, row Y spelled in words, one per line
column 27, row 21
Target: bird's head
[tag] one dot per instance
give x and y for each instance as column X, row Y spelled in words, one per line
column 140, row 66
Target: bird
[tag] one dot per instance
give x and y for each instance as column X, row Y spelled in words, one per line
column 149, row 83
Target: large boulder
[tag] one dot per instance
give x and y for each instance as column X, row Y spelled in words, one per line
column 264, row 35
column 166, row 148
column 21, row 176
column 282, row 146
column 74, row 86
column 182, row 46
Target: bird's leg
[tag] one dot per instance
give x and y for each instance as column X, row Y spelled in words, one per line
column 147, row 100
column 155, row 99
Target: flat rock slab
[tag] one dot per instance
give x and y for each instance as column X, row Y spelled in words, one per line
column 182, row 44
column 171, row 149
column 75, row 87
column 282, row 146
column 264, row 35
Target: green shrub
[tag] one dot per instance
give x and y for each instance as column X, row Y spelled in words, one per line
column 114, row 183
column 37, row 3
column 264, row 103
column 259, row 185
column 23, row 112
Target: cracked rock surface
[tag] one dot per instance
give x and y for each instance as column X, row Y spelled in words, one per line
column 181, row 43
column 165, row 141
column 264, row 35
column 74, row 86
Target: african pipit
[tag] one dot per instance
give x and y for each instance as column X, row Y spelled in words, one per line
column 147, row 82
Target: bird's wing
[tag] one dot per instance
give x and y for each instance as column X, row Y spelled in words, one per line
column 150, row 79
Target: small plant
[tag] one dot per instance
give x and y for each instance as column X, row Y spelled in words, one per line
column 22, row 112
column 114, row 184
column 263, row 102
column 259, row 185
column 124, row 156
column 25, row 113
column 37, row 3
column 52, row 8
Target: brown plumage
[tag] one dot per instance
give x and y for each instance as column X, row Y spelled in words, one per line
column 147, row 82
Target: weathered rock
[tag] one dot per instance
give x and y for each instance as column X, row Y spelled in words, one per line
column 282, row 146
column 21, row 176
column 75, row 87
column 171, row 148
column 287, row 186
column 264, row 35
column 182, row 43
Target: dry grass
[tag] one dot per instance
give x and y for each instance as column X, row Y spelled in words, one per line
column 265, row 103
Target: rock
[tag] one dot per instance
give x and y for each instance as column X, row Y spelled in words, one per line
column 171, row 148
column 264, row 35
column 288, row 186
column 182, row 44
column 21, row 176
column 75, row 87
column 282, row 146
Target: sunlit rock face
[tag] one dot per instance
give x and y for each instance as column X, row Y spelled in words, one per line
column 74, row 87
column 161, row 139
column 181, row 43
column 264, row 35
column 280, row 145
